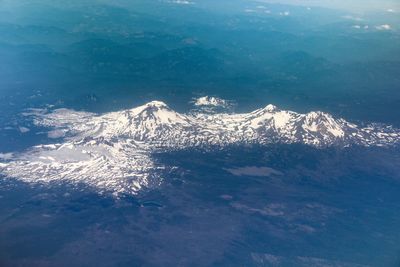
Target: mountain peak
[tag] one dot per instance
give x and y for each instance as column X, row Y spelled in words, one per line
column 271, row 108
column 151, row 107
column 156, row 113
column 156, row 104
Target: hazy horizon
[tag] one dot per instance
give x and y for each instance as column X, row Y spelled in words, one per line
column 354, row 6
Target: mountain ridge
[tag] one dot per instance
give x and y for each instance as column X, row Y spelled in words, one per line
column 112, row 152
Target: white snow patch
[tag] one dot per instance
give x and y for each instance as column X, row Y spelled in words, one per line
column 6, row 156
column 3, row 165
column 56, row 134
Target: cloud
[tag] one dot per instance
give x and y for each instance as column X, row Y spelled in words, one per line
column 359, row 27
column 357, row 6
column 23, row 129
column 391, row 10
column 350, row 17
column 258, row 9
column 384, row 27
column 182, row 2
column 285, row 13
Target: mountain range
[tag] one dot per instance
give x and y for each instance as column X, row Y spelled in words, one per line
column 112, row 152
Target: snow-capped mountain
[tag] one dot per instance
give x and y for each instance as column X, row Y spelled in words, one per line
column 210, row 101
column 211, row 104
column 112, row 151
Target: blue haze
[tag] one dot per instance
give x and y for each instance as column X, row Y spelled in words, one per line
column 329, row 206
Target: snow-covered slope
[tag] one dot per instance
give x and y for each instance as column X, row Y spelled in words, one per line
column 112, row 152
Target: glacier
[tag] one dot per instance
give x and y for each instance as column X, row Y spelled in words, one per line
column 112, row 152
